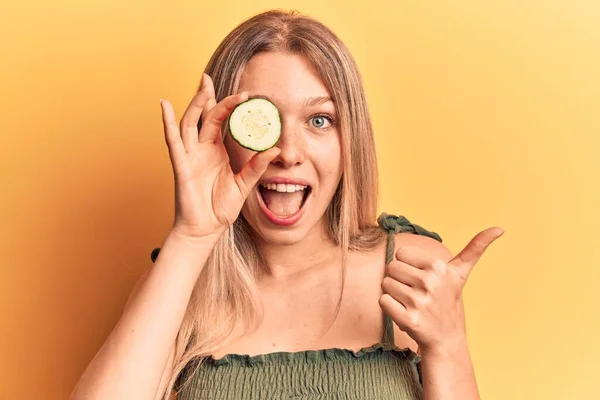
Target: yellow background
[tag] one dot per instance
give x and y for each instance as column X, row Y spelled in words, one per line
column 486, row 113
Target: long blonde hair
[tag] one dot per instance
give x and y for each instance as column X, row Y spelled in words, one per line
column 224, row 303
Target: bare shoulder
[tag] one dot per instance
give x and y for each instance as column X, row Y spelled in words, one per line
column 364, row 281
column 423, row 242
column 366, row 261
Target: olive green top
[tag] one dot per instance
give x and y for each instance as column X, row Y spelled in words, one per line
column 382, row 371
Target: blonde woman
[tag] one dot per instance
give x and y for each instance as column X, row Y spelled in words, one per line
column 275, row 281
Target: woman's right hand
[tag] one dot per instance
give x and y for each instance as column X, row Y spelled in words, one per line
column 208, row 195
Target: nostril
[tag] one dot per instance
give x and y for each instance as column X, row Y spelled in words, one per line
column 289, row 157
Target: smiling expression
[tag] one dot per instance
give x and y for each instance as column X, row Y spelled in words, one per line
column 297, row 187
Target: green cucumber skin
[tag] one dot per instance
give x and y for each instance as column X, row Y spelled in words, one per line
column 250, row 148
column 233, row 136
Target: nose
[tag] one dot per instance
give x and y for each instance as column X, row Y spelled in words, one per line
column 293, row 147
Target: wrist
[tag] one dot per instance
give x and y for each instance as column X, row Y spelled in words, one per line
column 195, row 241
column 184, row 249
column 449, row 348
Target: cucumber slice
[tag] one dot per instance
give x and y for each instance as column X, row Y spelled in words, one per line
column 255, row 124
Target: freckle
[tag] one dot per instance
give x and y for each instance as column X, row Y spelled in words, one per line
column 274, row 344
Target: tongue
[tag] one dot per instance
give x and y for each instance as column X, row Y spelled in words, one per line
column 283, row 204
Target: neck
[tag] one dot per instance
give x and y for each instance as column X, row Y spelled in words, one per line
column 314, row 251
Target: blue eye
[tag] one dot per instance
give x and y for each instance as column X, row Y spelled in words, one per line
column 321, row 121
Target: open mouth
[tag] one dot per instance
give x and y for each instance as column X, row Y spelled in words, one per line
column 283, row 200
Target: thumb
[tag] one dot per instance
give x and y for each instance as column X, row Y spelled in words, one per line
column 255, row 168
column 468, row 257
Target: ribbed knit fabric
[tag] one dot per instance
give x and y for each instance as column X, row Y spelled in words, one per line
column 381, row 371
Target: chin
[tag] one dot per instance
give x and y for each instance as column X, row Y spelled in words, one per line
column 281, row 238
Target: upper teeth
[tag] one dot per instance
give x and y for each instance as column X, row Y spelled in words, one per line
column 283, row 187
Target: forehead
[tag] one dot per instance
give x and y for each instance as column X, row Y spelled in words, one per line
column 285, row 78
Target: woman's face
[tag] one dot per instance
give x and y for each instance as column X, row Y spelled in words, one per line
column 297, row 187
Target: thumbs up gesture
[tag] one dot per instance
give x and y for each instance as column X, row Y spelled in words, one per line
column 423, row 293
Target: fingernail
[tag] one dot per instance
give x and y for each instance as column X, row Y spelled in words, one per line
column 161, row 100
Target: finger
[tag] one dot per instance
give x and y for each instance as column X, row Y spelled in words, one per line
column 397, row 312
column 468, row 257
column 404, row 273
column 418, row 258
column 211, row 129
column 254, row 169
column 210, row 103
column 399, row 291
column 189, row 121
column 172, row 137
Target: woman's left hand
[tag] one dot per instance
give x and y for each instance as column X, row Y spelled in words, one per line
column 423, row 293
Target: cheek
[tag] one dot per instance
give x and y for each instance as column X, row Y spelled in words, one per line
column 329, row 154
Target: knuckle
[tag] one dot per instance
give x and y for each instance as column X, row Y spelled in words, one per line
column 386, row 283
column 425, row 301
column 254, row 165
column 479, row 243
column 198, row 105
column 418, row 301
column 389, row 269
column 438, row 266
column 171, row 126
column 414, row 320
column 384, row 300
column 400, row 252
column 203, row 96
column 183, row 121
column 214, row 118
column 429, row 281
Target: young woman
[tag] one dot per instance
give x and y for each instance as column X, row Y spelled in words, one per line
column 275, row 281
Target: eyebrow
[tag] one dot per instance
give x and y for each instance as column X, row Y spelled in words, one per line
column 317, row 101
column 308, row 102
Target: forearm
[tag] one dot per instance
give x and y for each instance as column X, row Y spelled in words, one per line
column 448, row 373
column 130, row 363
